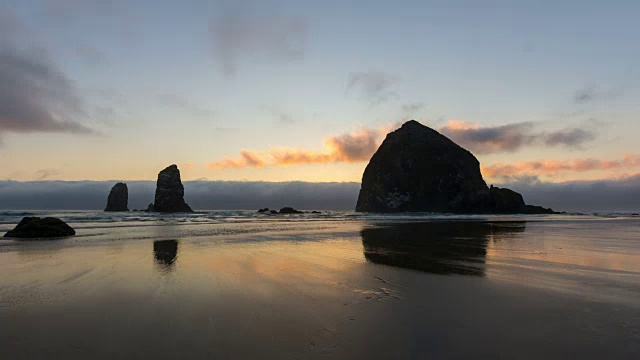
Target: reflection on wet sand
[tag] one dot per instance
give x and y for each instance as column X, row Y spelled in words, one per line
column 442, row 247
column 165, row 253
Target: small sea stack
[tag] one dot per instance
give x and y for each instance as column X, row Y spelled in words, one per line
column 170, row 192
column 34, row 227
column 118, row 199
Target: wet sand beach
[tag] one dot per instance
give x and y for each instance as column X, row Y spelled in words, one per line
column 291, row 288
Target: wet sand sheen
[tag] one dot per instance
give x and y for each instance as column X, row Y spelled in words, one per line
column 327, row 290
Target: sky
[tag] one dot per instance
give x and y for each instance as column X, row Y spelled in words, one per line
column 542, row 92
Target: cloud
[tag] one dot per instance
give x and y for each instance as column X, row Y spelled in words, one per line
column 606, row 195
column 374, row 87
column 412, row 108
column 572, row 137
column 591, row 94
column 360, row 145
column 35, row 95
column 247, row 158
column 357, row 146
column 45, row 174
column 281, row 117
column 246, row 33
column 512, row 137
column 92, row 195
column 552, row 167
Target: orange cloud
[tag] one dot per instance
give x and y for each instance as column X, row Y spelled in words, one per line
column 359, row 146
column 458, row 125
column 351, row 147
column 552, row 167
column 247, row 158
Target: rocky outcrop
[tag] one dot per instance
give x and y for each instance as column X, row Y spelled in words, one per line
column 284, row 211
column 290, row 210
column 170, row 192
column 118, row 199
column 417, row 169
column 35, row 227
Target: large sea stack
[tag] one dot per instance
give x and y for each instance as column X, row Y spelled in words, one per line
column 417, row 169
column 170, row 192
column 118, row 198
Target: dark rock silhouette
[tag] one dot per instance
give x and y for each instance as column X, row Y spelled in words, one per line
column 35, row 227
column 289, row 210
column 441, row 247
column 118, row 199
column 149, row 208
column 165, row 252
column 170, row 192
column 273, row 212
column 418, row 169
column 265, row 210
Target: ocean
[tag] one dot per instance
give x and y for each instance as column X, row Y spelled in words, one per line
column 339, row 284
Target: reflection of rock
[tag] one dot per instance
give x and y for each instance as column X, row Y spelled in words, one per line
column 35, row 227
column 170, row 192
column 436, row 247
column 118, row 199
column 165, row 251
column 417, row 169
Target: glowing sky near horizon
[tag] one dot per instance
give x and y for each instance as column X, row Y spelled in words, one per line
column 306, row 90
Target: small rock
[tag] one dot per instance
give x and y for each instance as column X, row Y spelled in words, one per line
column 35, row 227
column 273, row 212
column 289, row 210
column 264, row 210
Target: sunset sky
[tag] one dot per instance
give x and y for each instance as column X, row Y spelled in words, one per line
column 306, row 90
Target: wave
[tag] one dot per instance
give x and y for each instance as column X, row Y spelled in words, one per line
column 86, row 219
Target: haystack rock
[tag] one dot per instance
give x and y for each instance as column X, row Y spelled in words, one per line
column 170, row 192
column 417, row 169
column 35, row 227
column 118, row 198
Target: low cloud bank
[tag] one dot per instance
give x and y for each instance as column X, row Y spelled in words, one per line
column 585, row 196
column 605, row 195
column 92, row 195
